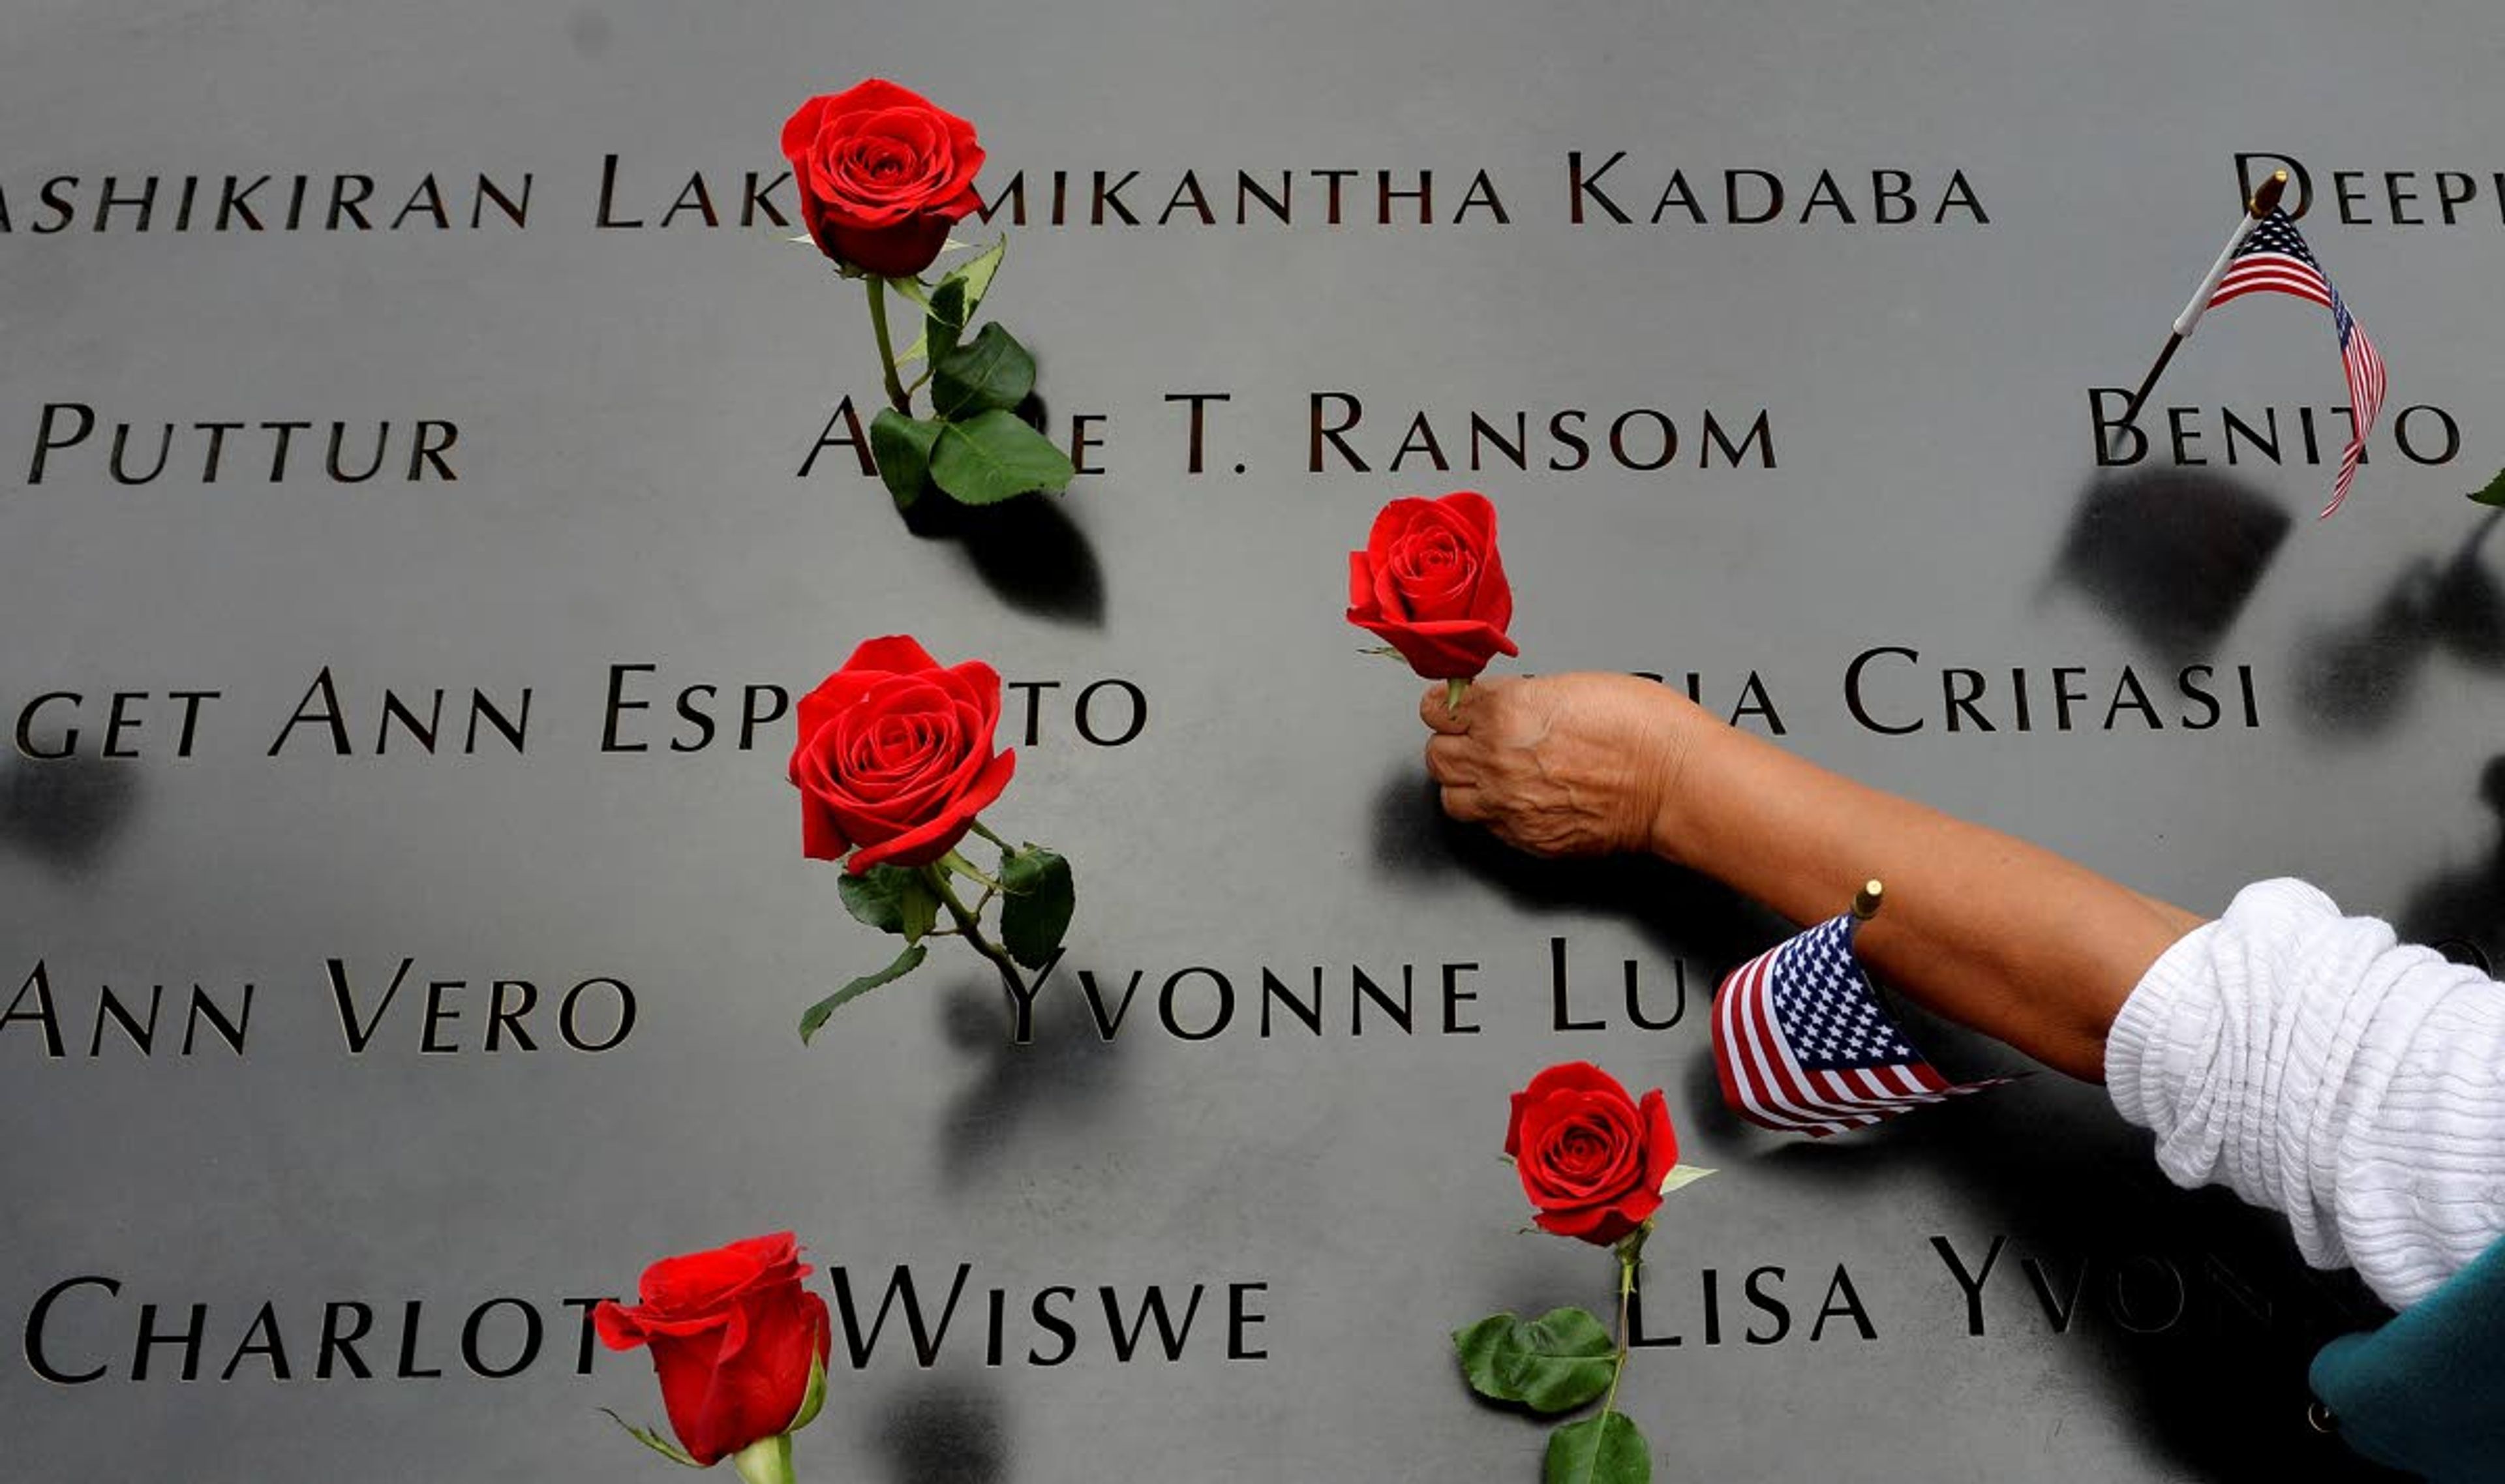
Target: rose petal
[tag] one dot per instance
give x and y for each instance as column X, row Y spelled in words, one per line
column 1361, row 601
column 1453, row 648
column 895, row 654
column 931, row 841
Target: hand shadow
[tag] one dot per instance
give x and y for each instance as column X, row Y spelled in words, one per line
column 1686, row 915
column 1026, row 550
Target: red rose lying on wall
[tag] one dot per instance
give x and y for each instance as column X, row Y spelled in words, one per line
column 895, row 762
column 1591, row 1158
column 895, row 757
column 740, row 1347
column 882, row 175
column 1594, row 1163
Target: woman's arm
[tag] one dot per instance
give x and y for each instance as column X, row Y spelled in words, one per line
column 1980, row 927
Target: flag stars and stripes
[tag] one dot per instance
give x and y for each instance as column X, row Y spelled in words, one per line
column 1800, row 1044
column 2276, row 259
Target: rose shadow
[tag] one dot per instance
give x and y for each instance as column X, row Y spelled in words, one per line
column 944, row 1432
column 2456, row 908
column 66, row 814
column 1026, row 550
column 2356, row 677
column 1067, row 1074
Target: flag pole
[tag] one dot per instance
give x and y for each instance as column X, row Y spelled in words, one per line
column 2263, row 202
column 1865, row 902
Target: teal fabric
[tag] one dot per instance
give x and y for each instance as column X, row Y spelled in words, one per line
column 2426, row 1392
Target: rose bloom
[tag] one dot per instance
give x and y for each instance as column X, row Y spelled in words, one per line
column 1430, row 582
column 882, row 175
column 1591, row 1158
column 895, row 757
column 734, row 1335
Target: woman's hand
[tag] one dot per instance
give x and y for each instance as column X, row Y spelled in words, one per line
column 1563, row 765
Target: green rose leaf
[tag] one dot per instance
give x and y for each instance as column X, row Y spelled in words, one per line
column 890, row 899
column 992, row 371
column 905, row 963
column 653, row 1440
column 945, row 325
column 976, row 275
column 1553, row 1364
column 901, row 446
column 993, row 457
column 2495, row 493
column 1036, row 912
column 1606, row 1449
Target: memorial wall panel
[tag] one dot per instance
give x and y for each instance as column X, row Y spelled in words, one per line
column 431, row 473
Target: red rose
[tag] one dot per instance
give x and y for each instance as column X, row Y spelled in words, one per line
column 1591, row 1158
column 895, row 758
column 1430, row 582
column 733, row 1337
column 882, row 175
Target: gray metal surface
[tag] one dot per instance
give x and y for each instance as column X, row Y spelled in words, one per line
column 633, row 404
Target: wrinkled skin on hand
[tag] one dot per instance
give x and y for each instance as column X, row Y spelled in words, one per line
column 1564, row 764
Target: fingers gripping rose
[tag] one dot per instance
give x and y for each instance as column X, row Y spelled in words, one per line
column 733, row 1337
column 882, row 175
column 895, row 757
column 1430, row 583
column 1592, row 1159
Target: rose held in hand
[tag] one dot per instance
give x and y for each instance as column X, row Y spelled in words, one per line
column 895, row 758
column 882, row 175
column 1592, row 1159
column 1430, row 583
column 735, row 1336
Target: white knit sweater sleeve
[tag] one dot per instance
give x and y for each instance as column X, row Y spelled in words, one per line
column 2313, row 1064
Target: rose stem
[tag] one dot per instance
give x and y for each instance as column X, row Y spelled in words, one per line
column 1454, row 690
column 886, row 346
column 1629, row 1252
column 937, row 876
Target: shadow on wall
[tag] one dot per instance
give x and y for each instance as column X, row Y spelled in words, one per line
column 1026, row 550
column 2355, row 677
column 2461, row 909
column 944, row 1432
column 1703, row 923
column 1067, row 1074
column 66, row 814
column 2188, row 1314
column 2171, row 555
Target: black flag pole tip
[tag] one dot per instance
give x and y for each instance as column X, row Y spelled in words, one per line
column 1865, row 902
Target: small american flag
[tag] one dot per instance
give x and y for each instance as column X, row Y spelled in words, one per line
column 2275, row 260
column 1800, row 1044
